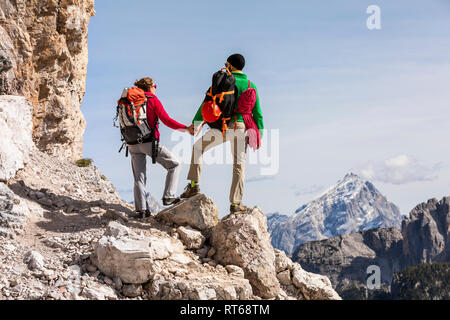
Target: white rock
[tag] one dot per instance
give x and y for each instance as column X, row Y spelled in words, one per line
column 235, row 270
column 99, row 292
column 313, row 286
column 130, row 256
column 227, row 293
column 203, row 293
column 285, row 277
column 16, row 135
column 116, row 230
column 282, row 262
column 191, row 238
column 180, row 258
column 34, row 260
column 198, row 212
column 74, row 272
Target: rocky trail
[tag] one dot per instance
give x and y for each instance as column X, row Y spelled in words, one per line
column 65, row 235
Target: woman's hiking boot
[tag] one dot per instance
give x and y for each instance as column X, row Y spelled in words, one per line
column 170, row 201
column 238, row 209
column 190, row 191
column 141, row 214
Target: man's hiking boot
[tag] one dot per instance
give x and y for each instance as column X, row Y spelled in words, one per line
column 141, row 214
column 190, row 191
column 171, row 201
column 238, row 209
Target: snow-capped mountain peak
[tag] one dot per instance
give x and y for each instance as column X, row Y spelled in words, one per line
column 351, row 205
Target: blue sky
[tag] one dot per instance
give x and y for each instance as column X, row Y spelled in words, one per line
column 344, row 98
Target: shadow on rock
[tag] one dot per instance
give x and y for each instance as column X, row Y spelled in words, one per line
column 65, row 214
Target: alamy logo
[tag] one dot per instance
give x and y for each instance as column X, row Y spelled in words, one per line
column 268, row 156
column 374, row 20
column 374, row 277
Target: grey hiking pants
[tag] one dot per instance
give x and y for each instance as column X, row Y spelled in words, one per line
column 165, row 158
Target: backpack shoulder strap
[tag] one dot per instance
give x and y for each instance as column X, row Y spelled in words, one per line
column 249, row 84
column 149, row 97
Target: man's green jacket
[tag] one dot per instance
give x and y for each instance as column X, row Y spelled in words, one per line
column 241, row 85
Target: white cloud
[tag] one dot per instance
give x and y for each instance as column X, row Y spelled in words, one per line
column 400, row 169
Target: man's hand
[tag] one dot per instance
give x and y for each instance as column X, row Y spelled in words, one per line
column 191, row 129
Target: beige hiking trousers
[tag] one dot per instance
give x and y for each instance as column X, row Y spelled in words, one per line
column 213, row 138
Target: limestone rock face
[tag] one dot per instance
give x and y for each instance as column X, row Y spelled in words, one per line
column 243, row 240
column 198, row 212
column 43, row 57
column 15, row 133
column 426, row 233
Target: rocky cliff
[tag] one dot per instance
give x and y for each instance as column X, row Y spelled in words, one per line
column 43, row 57
column 424, row 238
column 426, row 233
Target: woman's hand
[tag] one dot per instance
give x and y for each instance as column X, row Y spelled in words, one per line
column 191, row 129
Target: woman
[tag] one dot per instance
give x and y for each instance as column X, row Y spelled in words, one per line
column 139, row 152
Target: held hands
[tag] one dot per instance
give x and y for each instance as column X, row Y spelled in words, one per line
column 191, row 129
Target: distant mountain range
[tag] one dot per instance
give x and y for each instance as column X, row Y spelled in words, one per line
column 351, row 205
column 424, row 238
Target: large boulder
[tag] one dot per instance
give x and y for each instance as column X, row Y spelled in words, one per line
column 199, row 212
column 313, row 286
column 15, row 132
column 243, row 240
column 131, row 257
column 301, row 284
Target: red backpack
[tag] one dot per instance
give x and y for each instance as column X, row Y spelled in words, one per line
column 246, row 103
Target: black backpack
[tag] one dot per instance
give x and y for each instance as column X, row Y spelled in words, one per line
column 132, row 116
column 222, row 94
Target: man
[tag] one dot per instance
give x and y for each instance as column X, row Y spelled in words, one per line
column 165, row 158
column 236, row 134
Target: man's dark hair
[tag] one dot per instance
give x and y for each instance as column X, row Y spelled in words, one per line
column 237, row 60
